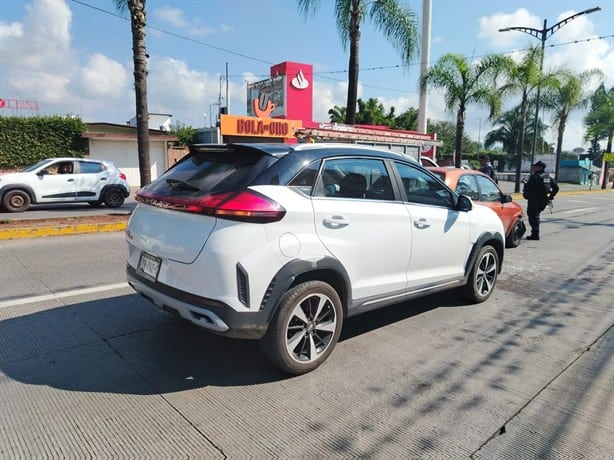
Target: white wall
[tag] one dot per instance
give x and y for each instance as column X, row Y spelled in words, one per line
column 124, row 153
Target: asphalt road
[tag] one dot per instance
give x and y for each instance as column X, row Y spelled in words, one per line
column 90, row 370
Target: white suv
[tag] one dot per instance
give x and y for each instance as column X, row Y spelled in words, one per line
column 64, row 180
column 282, row 242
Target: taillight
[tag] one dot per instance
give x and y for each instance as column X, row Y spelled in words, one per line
column 242, row 205
column 122, row 176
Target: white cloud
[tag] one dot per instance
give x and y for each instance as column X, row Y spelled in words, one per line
column 200, row 31
column 490, row 25
column 175, row 88
column 45, row 87
column 42, row 40
column 176, row 18
column 172, row 16
column 8, row 31
column 102, row 78
column 326, row 95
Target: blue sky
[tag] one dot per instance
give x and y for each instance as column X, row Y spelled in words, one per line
column 75, row 57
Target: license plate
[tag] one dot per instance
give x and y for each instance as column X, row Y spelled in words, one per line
column 149, row 266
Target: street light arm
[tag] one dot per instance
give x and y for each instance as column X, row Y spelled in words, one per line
column 527, row 30
column 545, row 33
column 560, row 24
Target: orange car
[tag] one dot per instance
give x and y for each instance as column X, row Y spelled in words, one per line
column 483, row 190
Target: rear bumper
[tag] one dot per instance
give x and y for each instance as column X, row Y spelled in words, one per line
column 209, row 314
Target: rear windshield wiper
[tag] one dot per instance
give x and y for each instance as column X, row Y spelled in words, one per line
column 181, row 184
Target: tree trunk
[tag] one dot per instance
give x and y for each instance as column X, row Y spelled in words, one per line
column 606, row 165
column 559, row 146
column 458, row 141
column 520, row 145
column 138, row 20
column 350, row 114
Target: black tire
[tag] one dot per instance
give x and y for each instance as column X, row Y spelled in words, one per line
column 95, row 204
column 305, row 328
column 113, row 198
column 516, row 233
column 483, row 276
column 16, row 201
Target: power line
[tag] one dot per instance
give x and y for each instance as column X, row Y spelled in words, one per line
column 182, row 37
column 321, row 74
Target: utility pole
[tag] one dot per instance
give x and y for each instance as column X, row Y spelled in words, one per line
column 425, row 57
column 227, row 98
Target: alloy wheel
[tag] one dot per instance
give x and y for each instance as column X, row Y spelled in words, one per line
column 311, row 328
column 486, row 273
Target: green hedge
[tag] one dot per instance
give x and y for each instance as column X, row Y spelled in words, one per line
column 26, row 141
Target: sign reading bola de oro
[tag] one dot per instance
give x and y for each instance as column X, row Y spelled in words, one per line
column 265, row 99
column 233, row 125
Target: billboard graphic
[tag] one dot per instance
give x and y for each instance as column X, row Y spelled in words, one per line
column 267, row 98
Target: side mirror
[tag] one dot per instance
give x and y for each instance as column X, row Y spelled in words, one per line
column 506, row 198
column 464, row 203
column 42, row 172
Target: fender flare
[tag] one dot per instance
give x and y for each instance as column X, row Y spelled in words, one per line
column 113, row 186
column 499, row 245
column 328, row 268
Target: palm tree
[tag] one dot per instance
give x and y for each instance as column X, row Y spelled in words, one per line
column 407, row 120
column 391, row 17
column 372, row 112
column 523, row 77
column 565, row 96
column 337, row 114
column 465, row 83
column 138, row 20
column 600, row 121
column 508, row 132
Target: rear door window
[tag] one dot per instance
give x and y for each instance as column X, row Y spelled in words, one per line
column 88, row 167
column 207, row 172
column 359, row 178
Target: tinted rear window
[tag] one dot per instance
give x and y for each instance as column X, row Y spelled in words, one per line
column 204, row 173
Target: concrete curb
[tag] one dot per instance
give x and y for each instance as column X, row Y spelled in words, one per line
column 35, row 232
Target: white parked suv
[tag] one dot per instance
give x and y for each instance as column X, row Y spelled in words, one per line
column 64, row 180
column 283, row 242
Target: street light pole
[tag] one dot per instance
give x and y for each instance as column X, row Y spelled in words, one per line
column 543, row 35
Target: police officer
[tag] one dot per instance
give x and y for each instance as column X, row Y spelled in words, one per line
column 538, row 191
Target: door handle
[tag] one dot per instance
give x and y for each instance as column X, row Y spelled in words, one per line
column 421, row 223
column 103, row 178
column 70, row 180
column 336, row 222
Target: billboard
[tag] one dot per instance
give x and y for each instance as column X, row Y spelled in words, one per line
column 267, row 98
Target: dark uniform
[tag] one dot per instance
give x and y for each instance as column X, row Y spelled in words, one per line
column 538, row 191
column 487, row 168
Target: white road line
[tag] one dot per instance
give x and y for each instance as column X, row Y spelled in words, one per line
column 61, row 295
column 570, row 211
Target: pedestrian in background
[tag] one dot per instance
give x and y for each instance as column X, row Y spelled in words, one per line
column 539, row 190
column 591, row 180
column 487, row 168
